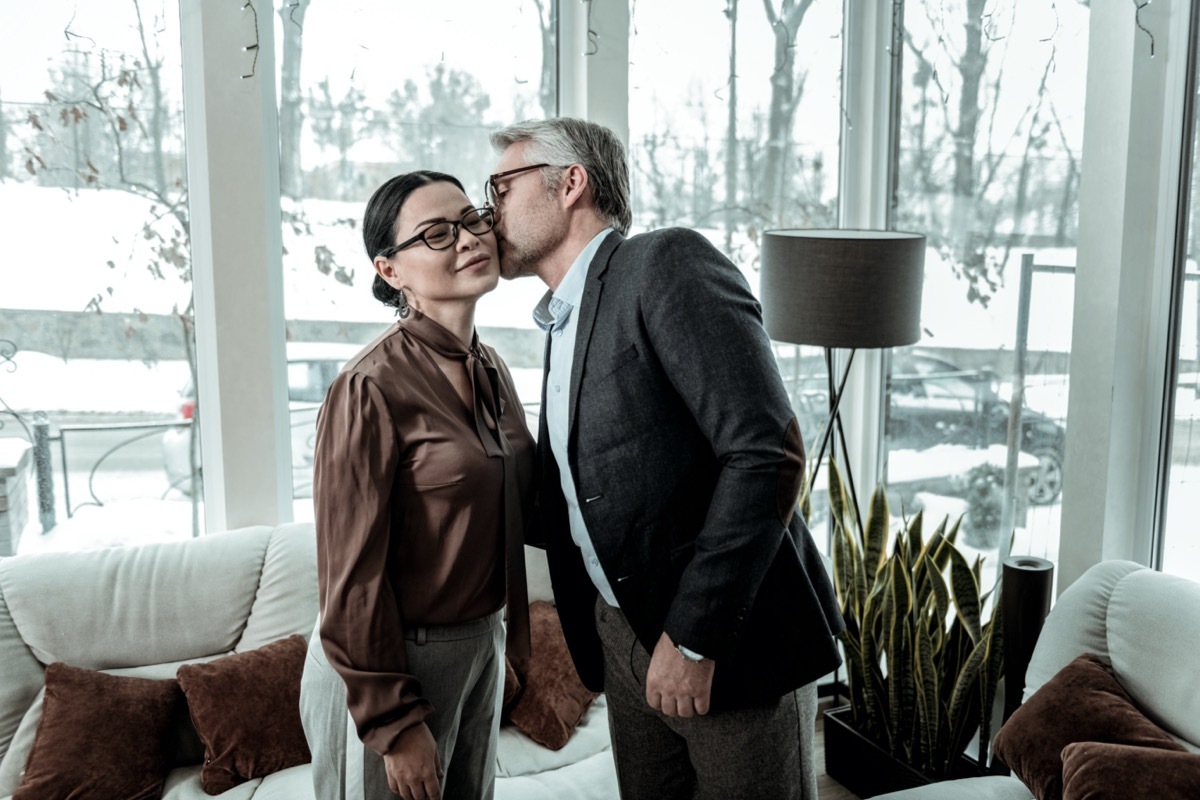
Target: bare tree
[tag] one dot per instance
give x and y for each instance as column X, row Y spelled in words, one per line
column 731, row 138
column 290, row 113
column 547, row 90
column 667, row 191
column 970, row 67
column 787, row 87
column 339, row 124
column 4, row 156
column 115, row 115
column 439, row 126
column 153, row 68
column 996, row 179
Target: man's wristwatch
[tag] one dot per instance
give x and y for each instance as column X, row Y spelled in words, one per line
column 690, row 655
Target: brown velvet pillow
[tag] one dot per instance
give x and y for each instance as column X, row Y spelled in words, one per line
column 246, row 708
column 553, row 700
column 1102, row 771
column 1082, row 703
column 100, row 737
column 512, row 689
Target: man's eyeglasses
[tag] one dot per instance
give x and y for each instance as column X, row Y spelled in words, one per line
column 490, row 188
column 442, row 235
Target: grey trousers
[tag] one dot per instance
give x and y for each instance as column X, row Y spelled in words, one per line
column 763, row 753
column 461, row 669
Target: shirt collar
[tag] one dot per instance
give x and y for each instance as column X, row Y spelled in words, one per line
column 484, row 377
column 554, row 309
column 435, row 336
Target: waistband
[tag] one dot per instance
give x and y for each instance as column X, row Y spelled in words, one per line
column 459, row 630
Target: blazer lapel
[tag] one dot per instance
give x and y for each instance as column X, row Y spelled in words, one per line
column 587, row 320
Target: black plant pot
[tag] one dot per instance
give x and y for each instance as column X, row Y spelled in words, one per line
column 865, row 768
column 859, row 764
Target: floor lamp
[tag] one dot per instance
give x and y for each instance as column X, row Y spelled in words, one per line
column 846, row 289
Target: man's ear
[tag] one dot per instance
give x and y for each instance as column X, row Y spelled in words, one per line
column 575, row 185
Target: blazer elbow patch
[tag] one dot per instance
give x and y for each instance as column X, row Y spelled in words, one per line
column 791, row 473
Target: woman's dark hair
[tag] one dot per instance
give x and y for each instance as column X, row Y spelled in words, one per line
column 382, row 215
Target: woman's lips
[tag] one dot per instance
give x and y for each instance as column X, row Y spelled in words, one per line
column 476, row 261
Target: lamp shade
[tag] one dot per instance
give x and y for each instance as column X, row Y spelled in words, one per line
column 842, row 288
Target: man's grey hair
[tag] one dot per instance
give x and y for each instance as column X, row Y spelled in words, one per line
column 562, row 141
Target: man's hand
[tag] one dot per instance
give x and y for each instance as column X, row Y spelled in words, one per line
column 414, row 768
column 677, row 686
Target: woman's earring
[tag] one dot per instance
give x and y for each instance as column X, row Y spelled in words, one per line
column 401, row 304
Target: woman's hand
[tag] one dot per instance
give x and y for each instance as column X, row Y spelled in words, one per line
column 414, row 768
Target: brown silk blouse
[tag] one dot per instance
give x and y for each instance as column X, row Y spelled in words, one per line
column 420, row 503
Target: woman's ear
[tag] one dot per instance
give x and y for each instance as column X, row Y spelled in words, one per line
column 387, row 270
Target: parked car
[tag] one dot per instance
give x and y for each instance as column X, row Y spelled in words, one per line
column 312, row 366
column 934, row 402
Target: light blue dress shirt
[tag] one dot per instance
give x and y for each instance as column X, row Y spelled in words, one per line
column 556, row 314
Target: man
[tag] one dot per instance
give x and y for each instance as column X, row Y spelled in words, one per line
column 688, row 589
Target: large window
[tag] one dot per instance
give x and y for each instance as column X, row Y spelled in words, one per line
column 1181, row 545
column 734, row 123
column 991, row 122
column 369, row 90
column 96, row 300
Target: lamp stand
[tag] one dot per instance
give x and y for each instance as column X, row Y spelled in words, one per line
column 835, row 420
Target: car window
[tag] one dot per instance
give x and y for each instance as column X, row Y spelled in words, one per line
column 306, row 381
column 941, row 379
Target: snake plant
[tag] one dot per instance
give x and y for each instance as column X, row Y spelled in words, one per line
column 922, row 664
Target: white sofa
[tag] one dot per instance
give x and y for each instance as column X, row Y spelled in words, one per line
column 145, row 610
column 1145, row 625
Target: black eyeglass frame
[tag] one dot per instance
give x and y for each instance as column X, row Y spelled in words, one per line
column 491, row 193
column 485, row 213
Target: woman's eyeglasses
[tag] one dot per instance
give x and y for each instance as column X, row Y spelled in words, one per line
column 442, row 235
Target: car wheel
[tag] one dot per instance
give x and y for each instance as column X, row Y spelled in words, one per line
column 1047, row 482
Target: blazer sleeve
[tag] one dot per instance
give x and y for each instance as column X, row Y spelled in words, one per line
column 361, row 630
column 705, row 327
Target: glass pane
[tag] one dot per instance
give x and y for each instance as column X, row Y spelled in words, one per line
column 95, row 311
column 734, row 123
column 1181, row 545
column 991, row 125
column 356, row 109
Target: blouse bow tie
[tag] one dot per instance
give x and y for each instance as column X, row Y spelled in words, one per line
column 485, row 388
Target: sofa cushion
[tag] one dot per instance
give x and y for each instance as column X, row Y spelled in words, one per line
column 591, row 778
column 1078, row 623
column 990, row 787
column 100, row 737
column 518, row 755
column 537, row 575
column 21, row 682
column 18, row 751
column 293, row 783
column 136, row 605
column 1154, row 620
column 246, row 709
column 1083, row 702
column 285, row 601
column 553, row 699
column 1103, row 771
column 512, row 690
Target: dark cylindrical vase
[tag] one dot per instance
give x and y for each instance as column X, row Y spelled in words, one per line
column 1027, row 584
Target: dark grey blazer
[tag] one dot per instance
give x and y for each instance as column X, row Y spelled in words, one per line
column 688, row 461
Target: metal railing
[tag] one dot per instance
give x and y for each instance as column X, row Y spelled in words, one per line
column 149, row 428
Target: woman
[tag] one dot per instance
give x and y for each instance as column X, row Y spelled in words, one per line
column 422, row 466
